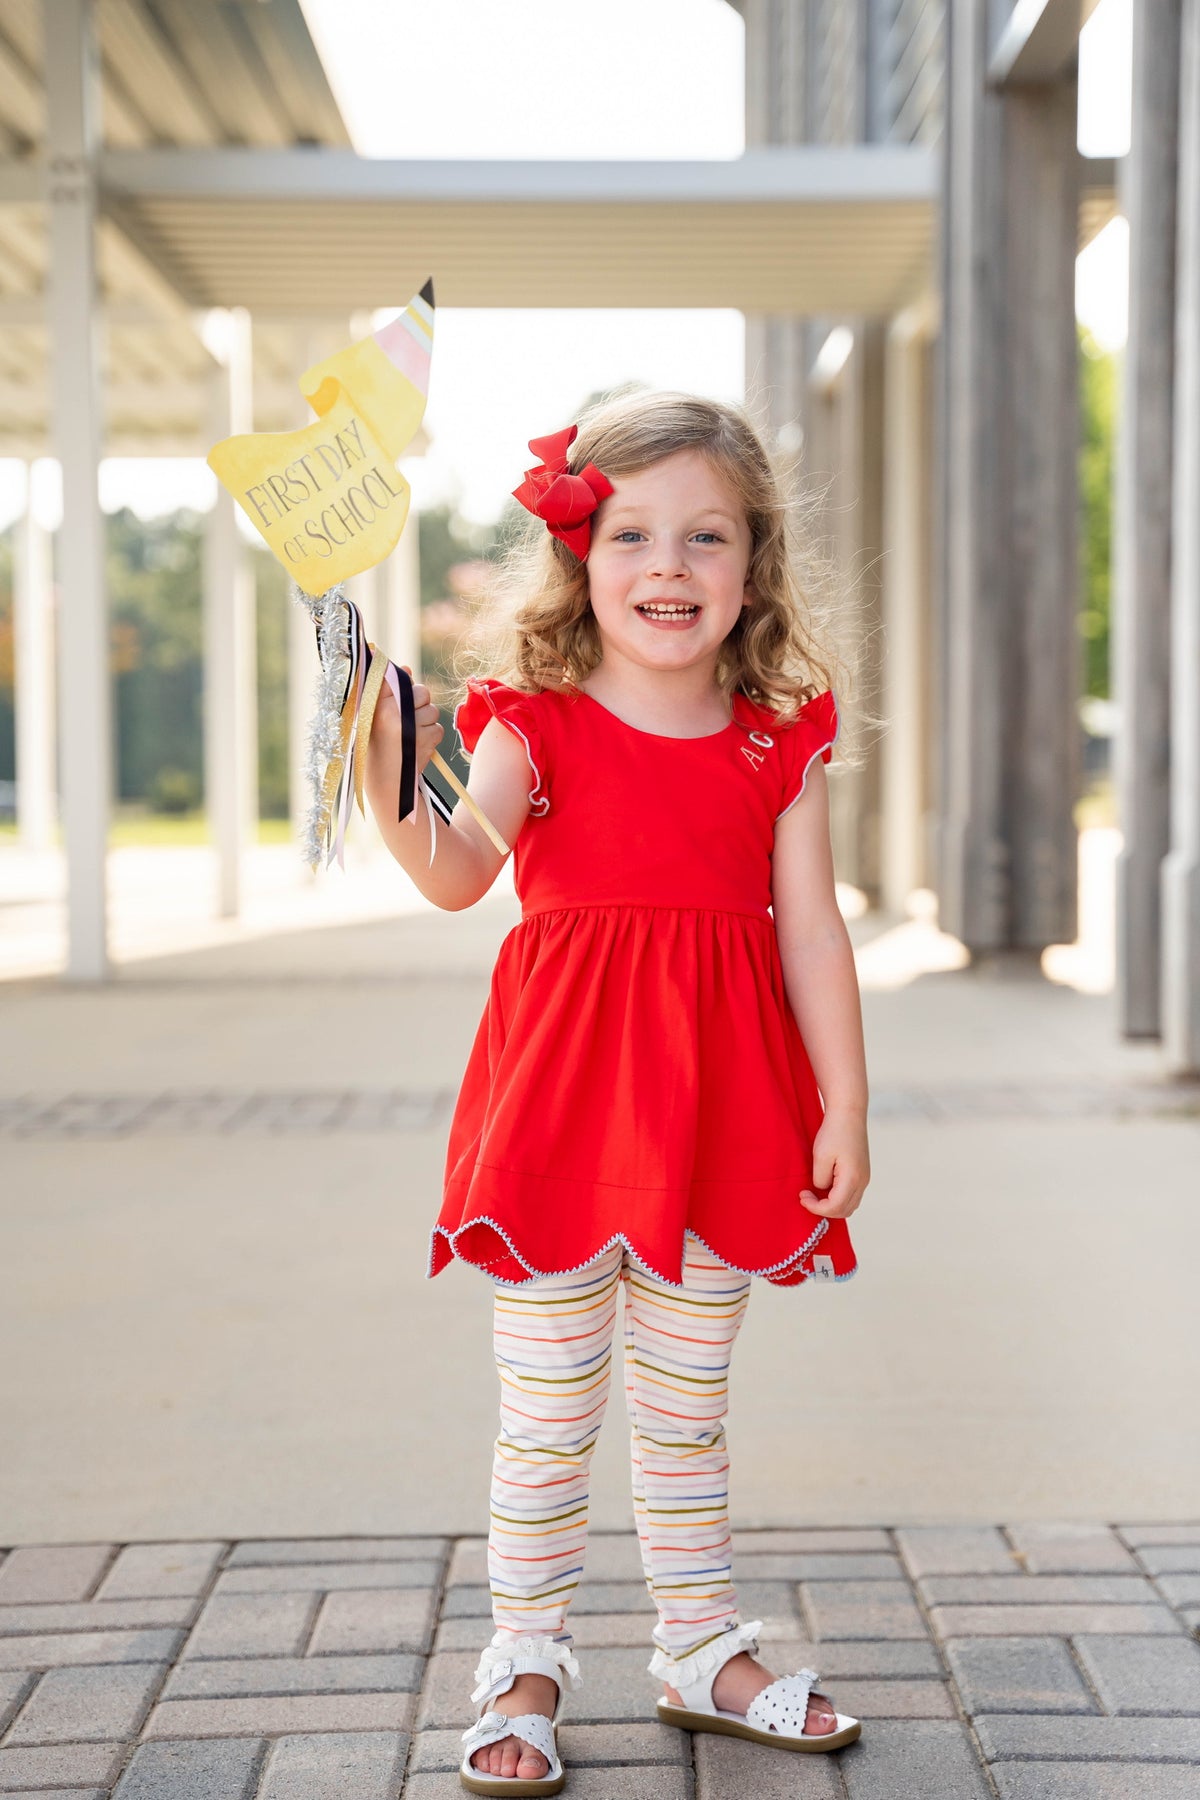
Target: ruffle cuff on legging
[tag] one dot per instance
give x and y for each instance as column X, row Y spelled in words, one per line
column 509, row 1649
column 700, row 1664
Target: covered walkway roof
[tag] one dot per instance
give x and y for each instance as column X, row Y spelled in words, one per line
column 193, row 157
column 171, row 75
column 225, row 177
column 806, row 229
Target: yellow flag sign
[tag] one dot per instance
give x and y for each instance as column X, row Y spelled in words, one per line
column 329, row 499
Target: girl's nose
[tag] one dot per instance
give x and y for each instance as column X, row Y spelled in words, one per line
column 667, row 559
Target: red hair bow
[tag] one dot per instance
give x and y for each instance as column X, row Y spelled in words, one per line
column 565, row 502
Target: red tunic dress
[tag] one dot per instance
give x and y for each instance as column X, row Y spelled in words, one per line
column 638, row 1070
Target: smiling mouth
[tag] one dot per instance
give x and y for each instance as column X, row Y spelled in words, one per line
column 677, row 612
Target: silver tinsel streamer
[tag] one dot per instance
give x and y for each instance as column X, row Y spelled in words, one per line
column 331, row 619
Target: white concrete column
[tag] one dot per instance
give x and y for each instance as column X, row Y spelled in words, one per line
column 315, row 339
column 230, row 688
column 1181, row 871
column 402, row 598
column 72, row 107
column 302, row 670
column 365, row 589
column 33, row 685
column 904, row 581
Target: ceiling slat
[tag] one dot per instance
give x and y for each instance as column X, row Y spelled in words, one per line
column 165, row 90
column 22, row 107
column 287, row 48
column 246, row 44
column 247, row 112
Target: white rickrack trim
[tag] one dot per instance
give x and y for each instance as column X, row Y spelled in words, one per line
column 539, row 805
column 768, row 1268
column 703, row 1664
column 484, row 1219
column 820, row 751
column 618, row 1237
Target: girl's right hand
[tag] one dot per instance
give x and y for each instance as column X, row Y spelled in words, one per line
column 386, row 727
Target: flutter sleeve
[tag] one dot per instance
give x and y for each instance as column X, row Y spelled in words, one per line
column 813, row 734
column 486, row 698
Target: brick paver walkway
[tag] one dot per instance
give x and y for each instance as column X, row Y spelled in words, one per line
column 1029, row 1662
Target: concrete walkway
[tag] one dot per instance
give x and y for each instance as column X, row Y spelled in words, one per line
column 244, row 1501
column 1033, row 1663
column 221, row 1172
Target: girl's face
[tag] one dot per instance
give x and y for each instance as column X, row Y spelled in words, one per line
column 668, row 561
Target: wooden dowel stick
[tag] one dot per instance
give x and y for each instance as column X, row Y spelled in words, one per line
column 476, row 812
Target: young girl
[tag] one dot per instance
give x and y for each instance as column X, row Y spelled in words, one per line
column 667, row 1092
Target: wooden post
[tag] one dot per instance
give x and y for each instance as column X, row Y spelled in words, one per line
column 904, row 584
column 1142, row 548
column 1008, row 430
column 859, row 522
column 1181, row 873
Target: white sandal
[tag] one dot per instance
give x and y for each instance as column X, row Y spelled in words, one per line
column 499, row 1665
column 775, row 1716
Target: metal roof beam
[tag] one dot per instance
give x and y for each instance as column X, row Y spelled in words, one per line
column 147, row 404
column 22, row 181
column 872, row 172
column 1039, row 42
column 28, row 311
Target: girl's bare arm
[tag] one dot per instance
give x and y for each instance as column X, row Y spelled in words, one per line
column 822, row 987
column 466, row 862
column 815, row 949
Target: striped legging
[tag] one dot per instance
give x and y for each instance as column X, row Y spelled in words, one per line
column 553, row 1346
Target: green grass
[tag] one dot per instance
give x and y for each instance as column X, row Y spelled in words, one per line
column 132, row 827
column 1098, row 807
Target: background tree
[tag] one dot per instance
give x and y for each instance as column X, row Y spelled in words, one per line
column 1098, row 412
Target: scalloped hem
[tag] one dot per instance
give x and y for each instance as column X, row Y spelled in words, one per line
column 767, row 1271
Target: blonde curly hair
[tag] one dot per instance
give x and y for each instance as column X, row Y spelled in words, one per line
column 533, row 627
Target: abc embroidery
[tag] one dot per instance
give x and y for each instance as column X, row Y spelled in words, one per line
column 755, row 758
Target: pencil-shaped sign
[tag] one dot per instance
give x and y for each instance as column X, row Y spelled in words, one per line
column 329, row 499
column 330, row 503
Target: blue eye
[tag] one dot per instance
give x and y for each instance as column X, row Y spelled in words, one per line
column 629, row 532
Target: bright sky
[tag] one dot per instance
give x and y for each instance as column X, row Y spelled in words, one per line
column 536, row 78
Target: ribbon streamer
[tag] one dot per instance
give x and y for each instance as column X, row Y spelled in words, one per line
column 353, row 675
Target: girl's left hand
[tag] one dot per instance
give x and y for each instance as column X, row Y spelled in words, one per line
column 841, row 1164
